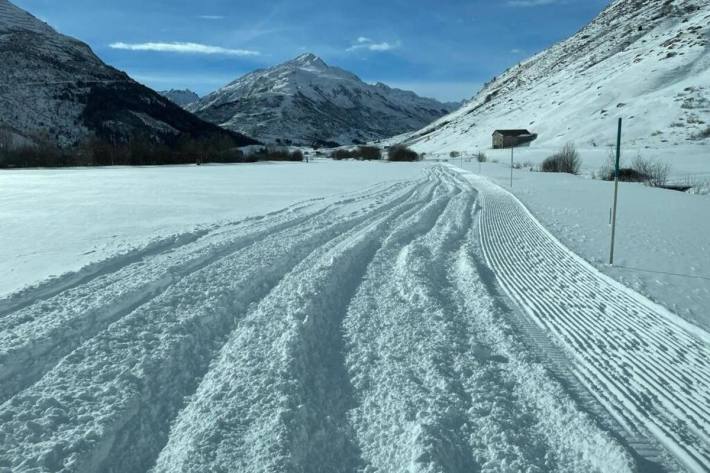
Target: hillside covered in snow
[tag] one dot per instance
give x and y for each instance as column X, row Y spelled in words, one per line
column 306, row 101
column 646, row 61
column 54, row 87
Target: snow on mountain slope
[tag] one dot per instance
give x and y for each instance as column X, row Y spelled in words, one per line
column 55, row 86
column 646, row 61
column 180, row 97
column 306, row 101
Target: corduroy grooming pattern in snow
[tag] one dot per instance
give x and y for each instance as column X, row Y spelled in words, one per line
column 646, row 366
column 360, row 336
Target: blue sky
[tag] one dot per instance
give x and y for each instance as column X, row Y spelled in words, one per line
column 443, row 49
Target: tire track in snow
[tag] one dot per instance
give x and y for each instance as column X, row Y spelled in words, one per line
column 433, row 394
column 648, row 368
column 411, row 413
column 289, row 346
column 55, row 285
column 107, row 405
column 34, row 338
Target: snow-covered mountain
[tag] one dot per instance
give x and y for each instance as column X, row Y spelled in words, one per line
column 180, row 97
column 647, row 61
column 306, row 101
column 54, row 86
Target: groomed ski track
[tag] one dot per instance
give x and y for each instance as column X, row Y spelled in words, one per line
column 361, row 335
column 646, row 366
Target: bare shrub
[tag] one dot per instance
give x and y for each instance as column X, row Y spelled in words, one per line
column 296, row 155
column 341, row 154
column 400, row 153
column 481, row 157
column 649, row 171
column 567, row 160
column 369, row 153
column 699, row 187
column 606, row 171
column 454, row 154
column 702, row 135
column 655, row 171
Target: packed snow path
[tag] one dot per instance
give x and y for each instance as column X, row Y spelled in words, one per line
column 362, row 336
column 649, row 368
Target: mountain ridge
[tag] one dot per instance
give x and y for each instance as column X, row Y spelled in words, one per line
column 306, row 101
column 54, row 87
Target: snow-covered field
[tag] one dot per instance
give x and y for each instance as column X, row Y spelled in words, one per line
column 334, row 317
column 662, row 248
column 55, row 221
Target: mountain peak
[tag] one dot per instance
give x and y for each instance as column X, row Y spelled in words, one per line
column 180, row 97
column 309, row 59
column 306, row 101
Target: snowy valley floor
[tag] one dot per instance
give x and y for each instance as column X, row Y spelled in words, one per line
column 425, row 323
column 662, row 247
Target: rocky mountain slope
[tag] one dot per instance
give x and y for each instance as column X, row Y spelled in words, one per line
column 55, row 87
column 305, row 101
column 646, row 61
column 180, row 97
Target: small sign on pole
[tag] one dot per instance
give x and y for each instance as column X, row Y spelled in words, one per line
column 616, row 194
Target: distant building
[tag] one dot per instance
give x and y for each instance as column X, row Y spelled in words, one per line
column 512, row 138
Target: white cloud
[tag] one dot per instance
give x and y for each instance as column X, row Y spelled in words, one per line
column 368, row 44
column 211, row 17
column 183, row 48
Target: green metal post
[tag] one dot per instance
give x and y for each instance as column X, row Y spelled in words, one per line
column 616, row 193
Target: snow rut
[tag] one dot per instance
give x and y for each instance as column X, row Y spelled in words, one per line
column 650, row 370
column 279, row 391
column 361, row 336
column 51, row 320
column 107, row 404
column 439, row 386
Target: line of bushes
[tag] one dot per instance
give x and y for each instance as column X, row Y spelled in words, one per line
column 137, row 152
column 275, row 153
column 396, row 153
column 361, row 153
